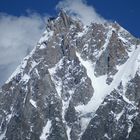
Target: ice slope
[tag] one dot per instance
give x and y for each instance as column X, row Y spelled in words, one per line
column 101, row 89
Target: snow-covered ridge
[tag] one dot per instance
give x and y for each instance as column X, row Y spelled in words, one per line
column 22, row 66
column 46, row 36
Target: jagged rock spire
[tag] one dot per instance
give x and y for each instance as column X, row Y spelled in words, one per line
column 63, row 21
column 65, row 18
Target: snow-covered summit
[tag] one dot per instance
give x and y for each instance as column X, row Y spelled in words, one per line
column 79, row 82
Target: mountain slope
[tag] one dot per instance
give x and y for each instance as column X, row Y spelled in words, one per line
column 78, row 83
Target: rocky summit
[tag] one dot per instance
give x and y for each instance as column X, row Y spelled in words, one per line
column 79, row 83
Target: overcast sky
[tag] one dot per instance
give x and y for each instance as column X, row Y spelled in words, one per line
column 22, row 23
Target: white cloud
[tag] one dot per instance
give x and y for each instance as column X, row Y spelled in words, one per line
column 80, row 9
column 18, row 35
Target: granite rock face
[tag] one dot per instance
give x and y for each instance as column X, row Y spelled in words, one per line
column 79, row 83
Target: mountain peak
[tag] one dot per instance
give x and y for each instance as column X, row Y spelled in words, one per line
column 67, row 20
column 77, row 83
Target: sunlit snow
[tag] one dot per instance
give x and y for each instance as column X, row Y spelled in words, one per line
column 46, row 130
column 33, row 103
column 101, row 89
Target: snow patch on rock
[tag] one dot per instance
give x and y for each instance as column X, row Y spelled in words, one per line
column 46, row 130
column 33, row 103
